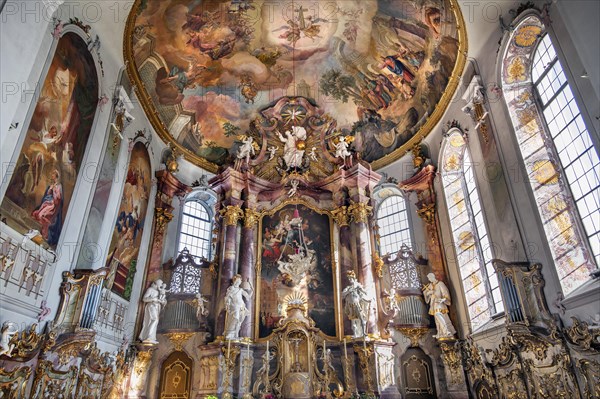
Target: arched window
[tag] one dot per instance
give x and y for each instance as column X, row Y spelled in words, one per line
column 473, row 250
column 196, row 230
column 393, row 226
column 559, row 156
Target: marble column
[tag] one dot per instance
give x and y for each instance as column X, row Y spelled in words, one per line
column 248, row 265
column 231, row 215
column 361, row 239
column 342, row 221
column 168, row 186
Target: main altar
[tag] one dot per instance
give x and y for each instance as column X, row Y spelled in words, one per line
column 298, row 303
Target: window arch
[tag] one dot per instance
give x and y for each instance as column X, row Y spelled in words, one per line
column 393, row 224
column 195, row 233
column 557, row 150
column 469, row 232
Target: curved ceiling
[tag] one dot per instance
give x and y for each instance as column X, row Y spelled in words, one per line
column 383, row 70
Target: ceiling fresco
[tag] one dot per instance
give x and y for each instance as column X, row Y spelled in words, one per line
column 383, row 71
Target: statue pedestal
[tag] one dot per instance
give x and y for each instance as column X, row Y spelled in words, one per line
column 141, row 368
column 376, row 368
column 453, row 368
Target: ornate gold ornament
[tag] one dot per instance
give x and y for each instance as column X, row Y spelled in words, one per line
column 413, row 333
column 162, row 216
column 359, row 211
column 341, row 216
column 13, row 383
column 232, row 214
column 178, row 339
column 581, row 335
column 251, row 217
column 365, row 352
column 452, row 358
column 427, row 213
column 417, row 155
column 378, row 264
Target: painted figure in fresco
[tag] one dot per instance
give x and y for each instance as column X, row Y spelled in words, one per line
column 438, row 297
column 49, row 212
column 154, row 299
column 356, row 306
column 394, row 65
column 235, row 307
column 271, row 244
column 292, row 152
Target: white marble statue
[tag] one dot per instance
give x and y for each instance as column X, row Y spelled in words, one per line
column 313, row 154
column 201, row 310
column 292, row 153
column 341, row 150
column 8, row 330
column 235, row 307
column 155, row 299
column 438, row 297
column 246, row 150
column 356, row 306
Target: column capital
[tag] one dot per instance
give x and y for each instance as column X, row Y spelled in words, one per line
column 162, row 217
column 232, row 214
column 251, row 217
column 360, row 211
column 341, row 215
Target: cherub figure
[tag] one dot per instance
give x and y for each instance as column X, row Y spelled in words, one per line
column 313, row 154
column 246, row 149
column 272, row 152
column 8, row 330
column 294, row 188
column 201, row 310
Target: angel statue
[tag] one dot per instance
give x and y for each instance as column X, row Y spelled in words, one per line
column 356, row 306
column 201, row 310
column 246, row 150
column 438, row 297
column 341, row 149
column 8, row 330
column 235, row 307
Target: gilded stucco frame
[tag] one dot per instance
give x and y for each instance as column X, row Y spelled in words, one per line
column 162, row 130
column 339, row 327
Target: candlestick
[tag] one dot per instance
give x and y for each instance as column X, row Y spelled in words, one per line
column 324, row 348
column 228, row 348
column 345, row 350
column 365, row 342
column 248, row 349
column 267, row 346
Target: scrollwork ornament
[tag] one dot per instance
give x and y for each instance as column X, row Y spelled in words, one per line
column 232, row 214
column 414, row 334
column 359, row 211
column 427, row 213
column 378, row 265
column 178, row 339
column 452, row 358
column 580, row 334
column 162, row 217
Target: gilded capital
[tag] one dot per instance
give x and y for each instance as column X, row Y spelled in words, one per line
column 341, row 216
column 427, row 213
column 359, row 211
column 417, row 156
column 250, row 217
column 232, row 214
column 162, row 216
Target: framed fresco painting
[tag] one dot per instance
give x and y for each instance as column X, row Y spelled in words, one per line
column 295, row 261
column 42, row 183
column 127, row 233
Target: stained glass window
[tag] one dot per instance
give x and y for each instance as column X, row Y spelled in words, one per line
column 392, row 222
column 473, row 249
column 559, row 156
column 195, row 233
